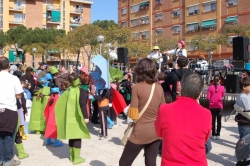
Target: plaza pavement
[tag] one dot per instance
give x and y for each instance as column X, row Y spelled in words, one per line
column 107, row 152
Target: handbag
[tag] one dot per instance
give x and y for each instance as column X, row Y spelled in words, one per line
column 131, row 125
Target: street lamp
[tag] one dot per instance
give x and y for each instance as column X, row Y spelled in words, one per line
column 100, row 39
column 34, row 53
column 14, row 53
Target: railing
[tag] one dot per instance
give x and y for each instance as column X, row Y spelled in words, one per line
column 18, row 20
column 16, row 7
column 53, row 19
column 75, row 22
column 77, row 10
column 53, row 7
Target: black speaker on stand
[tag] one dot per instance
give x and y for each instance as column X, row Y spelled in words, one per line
column 232, row 83
column 122, row 53
column 240, row 48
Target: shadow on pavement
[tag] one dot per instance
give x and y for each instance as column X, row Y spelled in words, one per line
column 232, row 129
column 223, row 159
column 115, row 140
column 93, row 128
column 224, row 143
column 97, row 163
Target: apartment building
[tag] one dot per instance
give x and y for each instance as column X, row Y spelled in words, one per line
column 182, row 19
column 58, row 14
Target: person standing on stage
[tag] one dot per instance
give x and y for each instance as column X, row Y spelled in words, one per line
column 178, row 51
column 156, row 56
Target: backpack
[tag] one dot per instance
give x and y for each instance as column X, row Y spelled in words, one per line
column 242, row 149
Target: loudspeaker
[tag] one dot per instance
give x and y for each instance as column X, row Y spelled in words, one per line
column 165, row 59
column 232, row 83
column 122, row 55
column 240, row 48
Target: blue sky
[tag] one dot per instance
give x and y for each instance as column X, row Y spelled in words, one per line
column 104, row 10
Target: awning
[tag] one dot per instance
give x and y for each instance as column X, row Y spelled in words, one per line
column 13, row 57
column 74, row 25
column 231, row 19
column 207, row 24
column 144, row 3
column 193, row 23
column 175, row 26
column 53, row 51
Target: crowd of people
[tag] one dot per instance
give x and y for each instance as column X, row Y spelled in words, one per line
column 60, row 103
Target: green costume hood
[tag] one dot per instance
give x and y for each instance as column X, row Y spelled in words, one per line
column 69, row 117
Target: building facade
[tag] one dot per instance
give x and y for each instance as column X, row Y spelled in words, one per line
column 58, row 14
column 182, row 19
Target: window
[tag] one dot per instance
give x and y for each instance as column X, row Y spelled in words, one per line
column 47, row 2
column 135, row 36
column 230, row 40
column 124, row 24
column 158, row 16
column 135, row 8
column 24, row 16
column 134, row 22
column 158, row 2
column 63, row 13
column 192, row 10
column 145, row 20
column 64, row 25
column 176, row 13
column 144, row 5
column 232, row 2
column 1, row 6
column 63, row 4
column 44, row 26
column 158, row 32
column 145, row 35
column 1, row 21
column 124, row 11
column 18, row 2
column 176, row 29
column 193, row 27
column 18, row 18
column 1, row 51
column 211, row 6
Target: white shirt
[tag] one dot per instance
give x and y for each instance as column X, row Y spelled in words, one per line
column 9, row 87
column 154, row 55
column 174, row 51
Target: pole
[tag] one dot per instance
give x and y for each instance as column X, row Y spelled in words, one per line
column 100, row 48
column 77, row 60
column 89, row 62
column 33, row 60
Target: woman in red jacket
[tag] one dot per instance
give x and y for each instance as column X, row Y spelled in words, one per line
column 215, row 96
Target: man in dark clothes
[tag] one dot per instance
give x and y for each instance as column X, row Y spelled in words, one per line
column 172, row 80
column 63, row 76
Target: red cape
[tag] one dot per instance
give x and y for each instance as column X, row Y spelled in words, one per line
column 49, row 113
column 118, row 102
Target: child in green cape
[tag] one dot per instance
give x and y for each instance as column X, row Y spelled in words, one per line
column 71, row 117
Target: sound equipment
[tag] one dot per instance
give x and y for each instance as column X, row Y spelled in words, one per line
column 238, row 65
column 240, row 48
column 232, row 83
column 122, row 55
column 165, row 59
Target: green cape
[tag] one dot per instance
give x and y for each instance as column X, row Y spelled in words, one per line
column 69, row 117
column 37, row 121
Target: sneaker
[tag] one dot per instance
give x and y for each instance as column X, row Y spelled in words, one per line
column 103, row 137
column 217, row 137
column 213, row 137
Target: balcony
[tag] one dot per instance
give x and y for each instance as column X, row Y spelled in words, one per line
column 52, row 7
column 76, row 11
column 83, row 1
column 16, row 21
column 75, row 23
column 16, row 8
column 53, row 20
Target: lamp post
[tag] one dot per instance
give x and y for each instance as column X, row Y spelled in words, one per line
column 34, row 53
column 14, row 53
column 100, row 39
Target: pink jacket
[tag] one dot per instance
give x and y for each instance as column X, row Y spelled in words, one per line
column 215, row 98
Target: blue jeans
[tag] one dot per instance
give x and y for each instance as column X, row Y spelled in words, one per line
column 243, row 130
column 6, row 148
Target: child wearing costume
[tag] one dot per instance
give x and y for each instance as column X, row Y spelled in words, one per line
column 71, row 116
column 40, row 100
column 49, row 114
column 104, row 98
